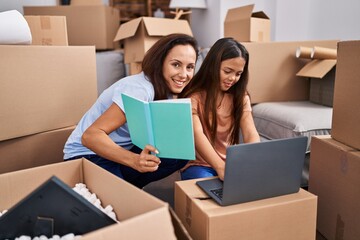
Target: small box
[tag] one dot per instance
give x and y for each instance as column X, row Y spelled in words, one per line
column 139, row 214
column 48, row 30
column 86, row 24
column 346, row 112
column 44, row 87
column 245, row 26
column 291, row 216
column 141, row 33
column 322, row 79
column 33, row 150
column 334, row 177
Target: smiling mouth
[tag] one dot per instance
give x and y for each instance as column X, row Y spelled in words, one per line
column 179, row 83
column 228, row 84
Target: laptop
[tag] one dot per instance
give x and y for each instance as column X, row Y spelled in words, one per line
column 255, row 171
column 52, row 209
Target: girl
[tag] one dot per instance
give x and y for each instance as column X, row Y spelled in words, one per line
column 102, row 135
column 221, row 108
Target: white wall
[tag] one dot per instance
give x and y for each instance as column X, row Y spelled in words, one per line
column 317, row 20
column 6, row 5
column 294, row 20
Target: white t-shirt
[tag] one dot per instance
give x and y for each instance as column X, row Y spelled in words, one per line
column 137, row 86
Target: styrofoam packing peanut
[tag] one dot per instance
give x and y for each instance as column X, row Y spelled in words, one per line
column 92, row 198
column 82, row 189
column 108, row 209
column 69, row 236
column 3, row 212
column 112, row 215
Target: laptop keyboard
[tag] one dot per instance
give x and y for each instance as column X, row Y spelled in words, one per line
column 218, row 192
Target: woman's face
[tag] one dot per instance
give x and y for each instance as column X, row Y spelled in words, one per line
column 230, row 72
column 178, row 67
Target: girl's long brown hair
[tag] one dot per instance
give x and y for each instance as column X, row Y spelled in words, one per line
column 208, row 79
column 152, row 64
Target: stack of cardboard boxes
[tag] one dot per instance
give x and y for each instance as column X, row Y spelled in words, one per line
column 335, row 160
column 46, row 88
column 91, row 23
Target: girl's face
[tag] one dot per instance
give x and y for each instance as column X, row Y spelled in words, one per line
column 230, row 72
column 179, row 67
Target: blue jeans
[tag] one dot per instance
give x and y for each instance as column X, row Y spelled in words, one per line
column 197, row 172
column 166, row 168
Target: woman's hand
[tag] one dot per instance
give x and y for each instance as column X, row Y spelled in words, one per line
column 147, row 162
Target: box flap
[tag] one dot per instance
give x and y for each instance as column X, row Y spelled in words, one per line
column 164, row 26
column 239, row 13
column 317, row 68
column 128, row 29
column 260, row 14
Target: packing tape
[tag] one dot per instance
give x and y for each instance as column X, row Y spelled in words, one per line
column 14, row 29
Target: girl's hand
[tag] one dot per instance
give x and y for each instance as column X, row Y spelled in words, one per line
column 147, row 162
column 220, row 170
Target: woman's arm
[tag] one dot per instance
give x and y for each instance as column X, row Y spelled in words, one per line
column 97, row 139
column 205, row 149
column 248, row 129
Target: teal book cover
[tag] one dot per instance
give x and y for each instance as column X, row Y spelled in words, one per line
column 165, row 124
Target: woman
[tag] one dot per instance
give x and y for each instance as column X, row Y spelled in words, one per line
column 221, row 108
column 102, row 135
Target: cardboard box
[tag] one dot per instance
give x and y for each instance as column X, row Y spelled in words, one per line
column 85, row 2
column 276, row 80
column 33, row 150
column 141, row 33
column 48, row 30
column 245, row 26
column 139, row 213
column 334, row 177
column 346, row 113
column 322, row 79
column 291, row 216
column 134, row 68
column 86, row 25
column 44, row 87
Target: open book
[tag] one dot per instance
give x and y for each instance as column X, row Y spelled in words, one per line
column 164, row 124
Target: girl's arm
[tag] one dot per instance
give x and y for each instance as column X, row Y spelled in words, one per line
column 97, row 139
column 248, row 129
column 206, row 150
